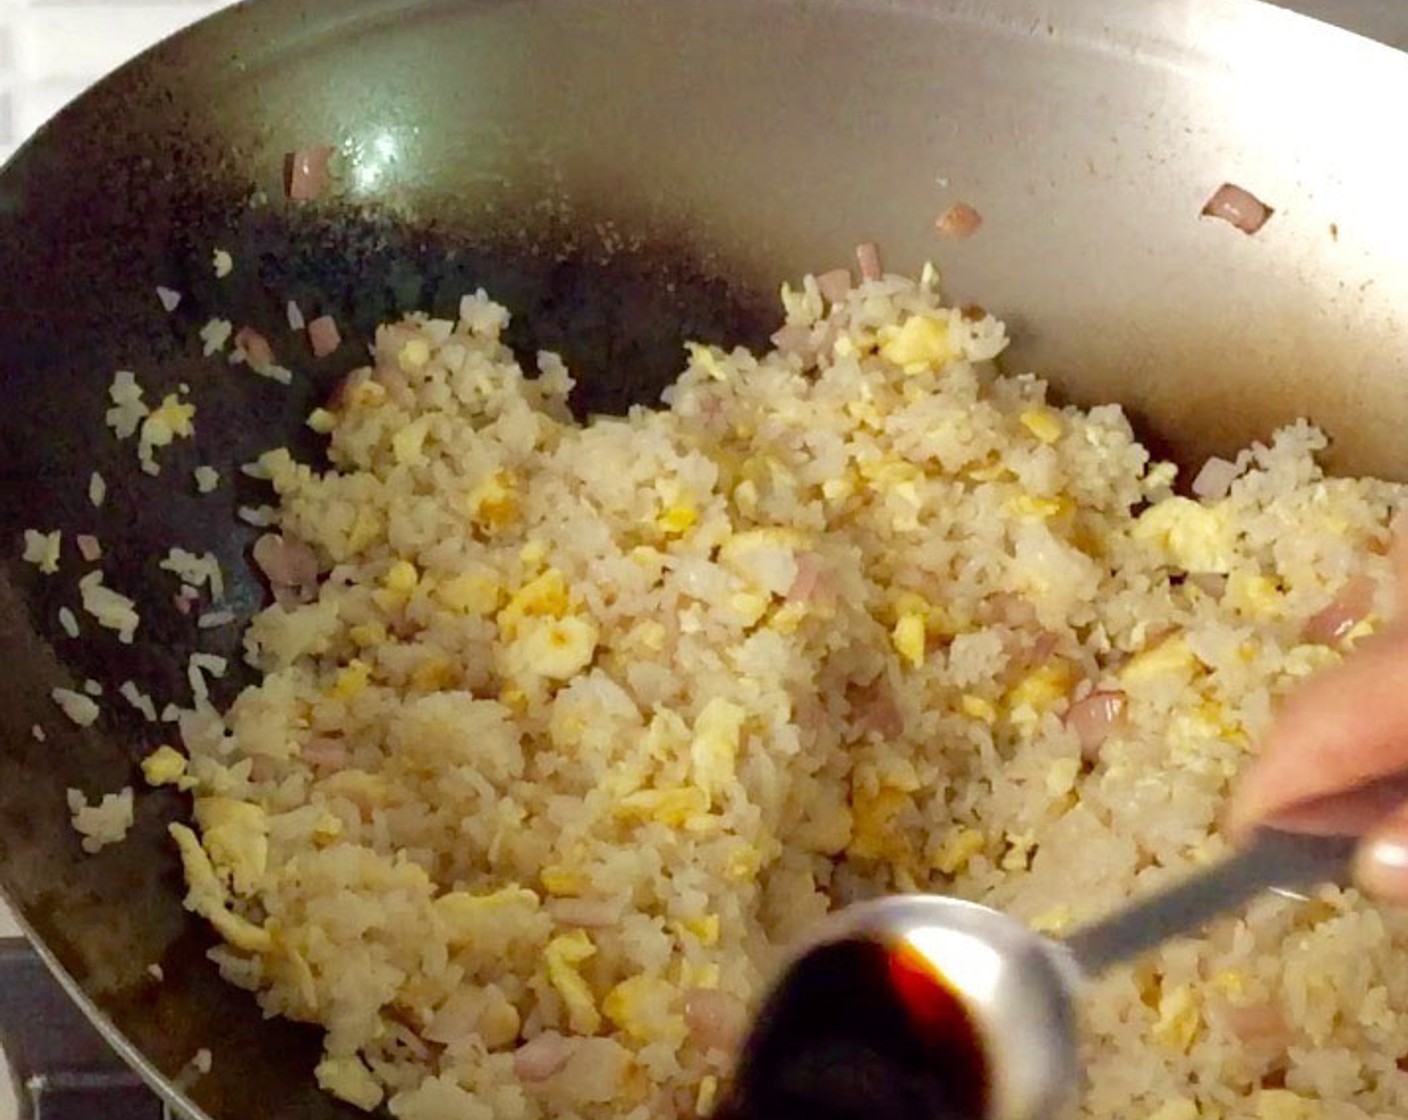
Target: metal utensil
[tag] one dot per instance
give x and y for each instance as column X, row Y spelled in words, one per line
column 1019, row 990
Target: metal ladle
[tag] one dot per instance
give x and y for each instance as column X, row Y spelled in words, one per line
column 1019, row 989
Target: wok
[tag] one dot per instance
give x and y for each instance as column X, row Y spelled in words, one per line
column 622, row 174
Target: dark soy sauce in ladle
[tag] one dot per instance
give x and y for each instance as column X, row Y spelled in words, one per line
column 861, row 1029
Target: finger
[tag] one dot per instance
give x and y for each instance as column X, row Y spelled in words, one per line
column 1398, row 560
column 1381, row 866
column 1341, row 728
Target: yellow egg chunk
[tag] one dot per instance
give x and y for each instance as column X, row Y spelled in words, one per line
column 165, row 766
column 1169, row 657
column 641, row 1006
column 1042, row 423
column 562, row 955
column 236, row 834
column 1195, row 537
column 554, row 648
column 920, row 341
column 351, row 1081
column 714, row 748
column 908, row 638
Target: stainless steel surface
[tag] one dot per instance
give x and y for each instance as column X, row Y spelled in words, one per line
column 1271, row 860
column 1018, row 985
column 1023, row 990
column 1087, row 133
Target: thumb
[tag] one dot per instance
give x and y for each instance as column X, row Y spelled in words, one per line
column 1340, row 729
column 1381, row 866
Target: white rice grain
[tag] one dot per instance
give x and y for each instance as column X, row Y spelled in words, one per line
column 111, row 610
column 78, row 708
column 43, row 550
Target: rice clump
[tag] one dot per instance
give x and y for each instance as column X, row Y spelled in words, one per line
column 580, row 725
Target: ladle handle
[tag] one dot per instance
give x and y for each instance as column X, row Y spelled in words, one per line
column 1312, row 843
column 1272, row 858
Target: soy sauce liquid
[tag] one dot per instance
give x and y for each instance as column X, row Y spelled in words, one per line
column 861, row 1030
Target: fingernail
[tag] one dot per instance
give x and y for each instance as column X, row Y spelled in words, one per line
column 1381, row 868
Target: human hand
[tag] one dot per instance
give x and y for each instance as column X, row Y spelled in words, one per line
column 1343, row 728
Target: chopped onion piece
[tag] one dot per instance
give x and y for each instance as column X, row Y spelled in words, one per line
column 1215, row 479
column 308, row 172
column 959, row 221
column 793, row 339
column 257, row 350
column 288, row 562
column 88, row 547
column 1094, row 718
column 324, row 336
column 1344, row 612
column 835, row 285
column 868, row 257
column 715, row 1019
column 1237, row 207
column 542, row 1057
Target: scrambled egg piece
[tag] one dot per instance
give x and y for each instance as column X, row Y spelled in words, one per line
column 351, row 680
column 641, row 1006
column 1195, row 537
column 1034, row 508
column 563, row 954
column 921, row 342
column 1170, row 656
column 206, row 896
column 1255, row 596
column 705, row 929
column 714, row 748
column 350, row 1080
column 1042, row 423
column 398, row 584
column 236, row 835
column 1039, row 691
column 492, row 504
column 677, row 520
column 562, row 882
column 544, row 596
column 464, row 914
column 672, row 807
column 976, row 707
column 908, row 638
column 875, row 835
column 958, row 849
column 554, row 648
column 1282, row 1104
column 1179, row 1018
column 468, row 593
column 173, row 419
column 743, row 863
column 1180, row 1109
column 166, row 766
